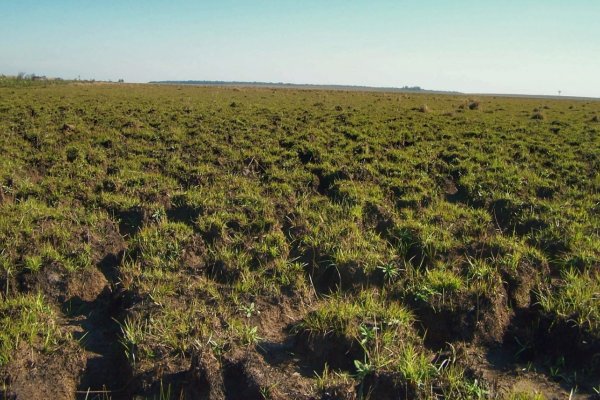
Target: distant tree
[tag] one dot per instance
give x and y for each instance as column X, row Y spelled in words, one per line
column 20, row 75
column 121, row 81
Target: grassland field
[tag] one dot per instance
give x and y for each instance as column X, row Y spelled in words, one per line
column 184, row 242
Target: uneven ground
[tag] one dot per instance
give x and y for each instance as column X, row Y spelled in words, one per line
column 219, row 243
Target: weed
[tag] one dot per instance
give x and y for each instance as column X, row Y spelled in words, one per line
column 390, row 271
column 363, row 369
column 249, row 310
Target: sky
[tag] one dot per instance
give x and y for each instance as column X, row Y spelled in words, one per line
column 493, row 46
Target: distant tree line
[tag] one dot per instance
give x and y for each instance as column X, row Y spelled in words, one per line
column 31, row 77
column 411, row 88
column 24, row 79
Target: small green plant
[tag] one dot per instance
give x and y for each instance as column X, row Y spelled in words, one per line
column 164, row 392
column 329, row 378
column 323, row 378
column 9, row 271
column 367, row 334
column 217, row 347
column 363, row 369
column 475, row 389
column 33, row 263
column 390, row 271
column 522, row 347
column 133, row 332
column 249, row 310
column 267, row 391
column 248, row 335
column 159, row 214
column 414, row 365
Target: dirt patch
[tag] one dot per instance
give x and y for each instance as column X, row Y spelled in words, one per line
column 337, row 351
column 241, row 375
column 339, row 391
column 496, row 367
column 183, row 213
column 466, row 318
column 258, row 377
column 239, row 382
column 386, row 386
column 545, row 338
column 94, row 325
column 378, row 217
column 204, row 379
column 519, row 285
column 35, row 375
column 130, row 221
column 327, row 277
column 59, row 284
column 457, row 193
column 327, row 179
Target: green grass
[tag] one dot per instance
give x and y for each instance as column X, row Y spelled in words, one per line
column 576, row 300
column 26, row 320
column 354, row 211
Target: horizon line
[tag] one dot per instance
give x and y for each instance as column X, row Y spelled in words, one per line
column 332, row 86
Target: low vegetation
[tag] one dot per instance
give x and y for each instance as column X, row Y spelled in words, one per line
column 207, row 242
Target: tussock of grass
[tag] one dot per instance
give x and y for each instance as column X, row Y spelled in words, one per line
column 576, row 299
column 343, row 316
column 538, row 115
column 28, row 320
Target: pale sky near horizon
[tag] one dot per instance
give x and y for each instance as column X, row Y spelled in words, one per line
column 494, row 46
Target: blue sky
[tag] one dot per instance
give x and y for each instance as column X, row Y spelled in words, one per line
column 510, row 46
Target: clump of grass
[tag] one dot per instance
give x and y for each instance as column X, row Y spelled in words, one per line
column 576, row 299
column 538, row 115
column 32, row 263
column 436, row 283
column 328, row 379
column 456, row 384
column 162, row 245
column 168, row 330
column 474, row 105
column 342, row 316
column 443, row 281
column 26, row 319
column 245, row 333
column 415, row 366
